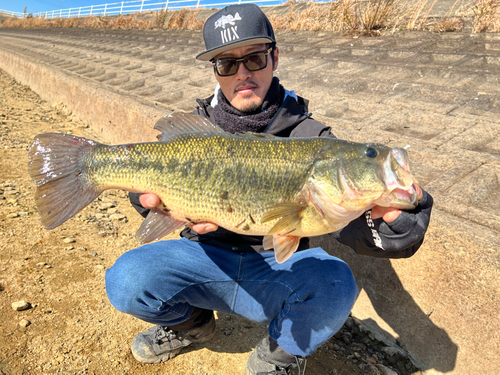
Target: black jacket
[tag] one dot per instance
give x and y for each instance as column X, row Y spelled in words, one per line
column 399, row 239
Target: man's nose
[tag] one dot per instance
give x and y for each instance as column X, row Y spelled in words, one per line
column 242, row 72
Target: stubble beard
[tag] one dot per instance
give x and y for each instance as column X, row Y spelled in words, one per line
column 249, row 105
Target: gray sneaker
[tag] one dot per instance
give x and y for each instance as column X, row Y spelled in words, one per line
column 270, row 359
column 159, row 344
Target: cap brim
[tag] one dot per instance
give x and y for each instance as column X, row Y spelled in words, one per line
column 210, row 54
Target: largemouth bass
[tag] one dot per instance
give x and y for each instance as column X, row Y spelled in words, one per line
column 253, row 184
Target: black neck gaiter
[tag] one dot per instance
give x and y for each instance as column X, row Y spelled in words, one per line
column 234, row 121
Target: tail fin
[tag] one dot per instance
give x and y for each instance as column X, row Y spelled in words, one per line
column 57, row 168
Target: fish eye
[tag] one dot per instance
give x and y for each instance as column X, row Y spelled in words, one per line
column 371, row 152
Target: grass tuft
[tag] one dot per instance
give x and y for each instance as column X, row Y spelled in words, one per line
column 485, row 16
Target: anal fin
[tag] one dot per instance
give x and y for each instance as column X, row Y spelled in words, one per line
column 157, row 224
column 267, row 242
column 284, row 247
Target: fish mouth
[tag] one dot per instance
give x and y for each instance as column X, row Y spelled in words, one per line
column 404, row 198
column 400, row 190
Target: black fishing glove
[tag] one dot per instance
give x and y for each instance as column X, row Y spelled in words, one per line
column 136, row 203
column 398, row 239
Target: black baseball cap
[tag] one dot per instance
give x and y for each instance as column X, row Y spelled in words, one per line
column 235, row 26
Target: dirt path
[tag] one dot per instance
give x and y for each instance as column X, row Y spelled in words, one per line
column 70, row 326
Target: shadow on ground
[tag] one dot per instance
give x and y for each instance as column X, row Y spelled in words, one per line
column 431, row 346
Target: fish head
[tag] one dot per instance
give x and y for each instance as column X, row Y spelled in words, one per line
column 356, row 177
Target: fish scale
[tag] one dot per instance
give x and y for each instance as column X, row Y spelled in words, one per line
column 253, row 184
column 192, row 172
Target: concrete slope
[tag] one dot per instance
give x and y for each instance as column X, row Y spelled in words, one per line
column 440, row 94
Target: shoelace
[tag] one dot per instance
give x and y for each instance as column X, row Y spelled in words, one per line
column 301, row 361
column 286, row 370
column 162, row 333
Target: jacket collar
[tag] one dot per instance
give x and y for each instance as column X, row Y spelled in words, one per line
column 294, row 110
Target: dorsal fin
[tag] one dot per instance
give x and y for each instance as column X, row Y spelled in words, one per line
column 180, row 122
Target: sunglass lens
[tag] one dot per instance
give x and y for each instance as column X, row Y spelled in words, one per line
column 226, row 67
column 256, row 61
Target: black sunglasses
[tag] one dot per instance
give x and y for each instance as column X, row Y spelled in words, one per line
column 228, row 66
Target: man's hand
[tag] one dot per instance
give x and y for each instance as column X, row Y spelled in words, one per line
column 150, row 200
column 389, row 214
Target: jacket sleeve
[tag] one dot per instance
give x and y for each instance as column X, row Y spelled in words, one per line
column 398, row 239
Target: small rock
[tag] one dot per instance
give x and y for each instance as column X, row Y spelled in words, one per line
column 117, row 217
column 94, row 254
column 69, row 248
column 13, row 215
column 112, row 211
column 82, row 248
column 106, row 205
column 336, row 347
column 41, row 264
column 69, row 240
column 23, row 213
column 100, row 216
column 349, row 322
column 24, row 323
column 371, row 370
column 357, row 346
column 21, row 305
column 372, row 360
column 391, row 350
column 386, row 370
column 99, row 267
column 12, row 201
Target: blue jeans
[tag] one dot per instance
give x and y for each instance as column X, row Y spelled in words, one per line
column 305, row 300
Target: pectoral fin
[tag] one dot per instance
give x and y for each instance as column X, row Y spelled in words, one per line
column 157, row 224
column 289, row 215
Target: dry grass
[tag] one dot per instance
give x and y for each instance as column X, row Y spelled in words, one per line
column 485, row 16
column 360, row 17
column 454, row 19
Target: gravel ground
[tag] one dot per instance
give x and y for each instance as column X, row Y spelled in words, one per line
column 54, row 314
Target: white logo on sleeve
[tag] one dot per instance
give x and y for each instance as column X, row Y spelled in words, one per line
column 376, row 238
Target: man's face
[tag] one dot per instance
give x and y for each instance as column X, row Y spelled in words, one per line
column 246, row 90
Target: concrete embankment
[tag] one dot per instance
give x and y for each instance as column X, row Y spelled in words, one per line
column 438, row 93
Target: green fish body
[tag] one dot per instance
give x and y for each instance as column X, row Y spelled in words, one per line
column 253, row 184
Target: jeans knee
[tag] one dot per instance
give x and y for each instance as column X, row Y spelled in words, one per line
column 336, row 285
column 124, row 280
